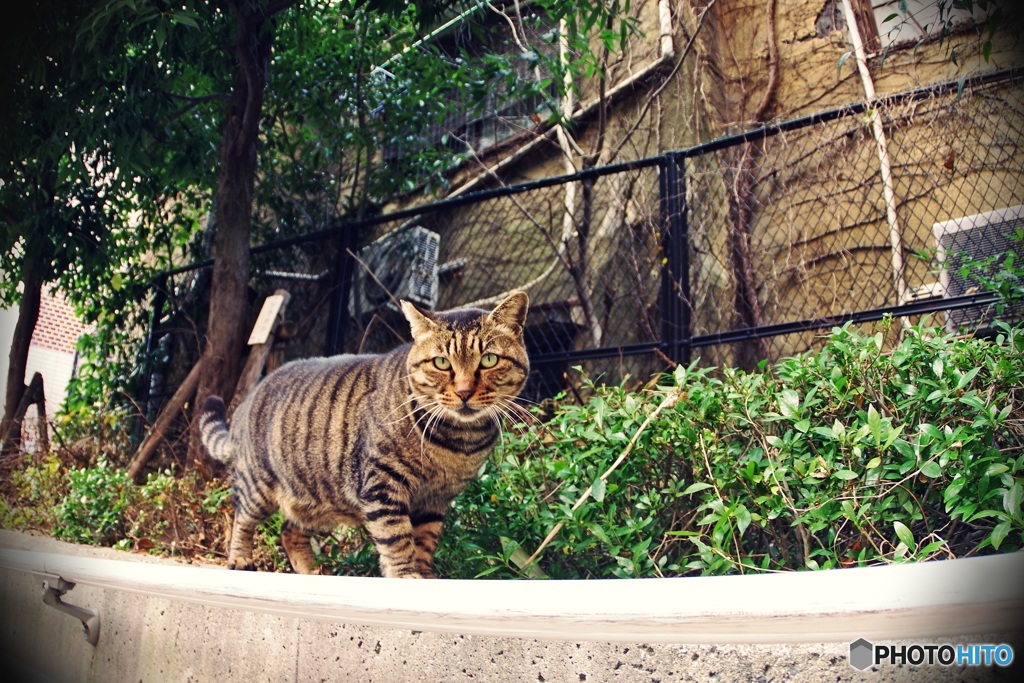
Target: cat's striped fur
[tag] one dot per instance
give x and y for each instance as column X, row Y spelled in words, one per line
column 386, row 441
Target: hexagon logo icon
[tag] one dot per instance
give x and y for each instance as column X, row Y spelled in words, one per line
column 861, row 654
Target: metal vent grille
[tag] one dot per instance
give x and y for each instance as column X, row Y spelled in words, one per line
column 971, row 250
column 423, row 276
column 403, row 265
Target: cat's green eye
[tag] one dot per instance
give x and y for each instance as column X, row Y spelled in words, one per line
column 488, row 360
column 442, row 363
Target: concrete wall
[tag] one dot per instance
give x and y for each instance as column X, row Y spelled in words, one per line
column 153, row 638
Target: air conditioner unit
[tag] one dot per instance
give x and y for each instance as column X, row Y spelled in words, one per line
column 403, row 265
column 981, row 238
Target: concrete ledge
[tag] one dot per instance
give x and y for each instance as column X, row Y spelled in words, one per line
column 162, row 620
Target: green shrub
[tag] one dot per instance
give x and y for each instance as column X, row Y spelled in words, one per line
column 849, row 456
column 94, row 509
column 28, row 499
column 853, row 455
column 101, row 505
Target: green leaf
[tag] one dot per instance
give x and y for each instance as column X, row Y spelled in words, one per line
column 891, row 438
column 1012, row 500
column 116, row 282
column 708, row 519
column 695, row 487
column 931, row 469
column 999, row 533
column 598, row 488
column 875, row 424
column 842, row 60
column 789, row 402
column 873, row 463
column 964, row 511
column 600, row 534
column 742, row 515
column 826, row 432
column 905, row 535
column 973, row 400
column 184, row 17
column 952, row 492
column 845, row 475
column 967, row 377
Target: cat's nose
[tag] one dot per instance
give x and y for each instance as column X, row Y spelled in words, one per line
column 464, row 394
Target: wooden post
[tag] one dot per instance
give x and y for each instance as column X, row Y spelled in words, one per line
column 259, row 351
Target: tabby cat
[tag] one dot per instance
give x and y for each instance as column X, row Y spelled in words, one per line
column 386, row 441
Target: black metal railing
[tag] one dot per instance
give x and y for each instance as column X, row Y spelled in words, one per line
column 737, row 250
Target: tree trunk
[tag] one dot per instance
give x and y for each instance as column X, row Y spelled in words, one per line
column 229, row 302
column 28, row 314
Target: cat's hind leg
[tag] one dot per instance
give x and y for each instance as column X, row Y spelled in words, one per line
column 296, row 544
column 240, row 548
column 254, row 502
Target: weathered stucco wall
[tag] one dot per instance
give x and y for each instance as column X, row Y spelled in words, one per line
column 818, row 232
column 817, row 237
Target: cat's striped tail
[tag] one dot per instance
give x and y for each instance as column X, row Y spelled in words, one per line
column 213, row 429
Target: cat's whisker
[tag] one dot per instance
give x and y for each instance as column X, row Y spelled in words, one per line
column 436, row 415
column 495, row 416
column 401, row 405
column 510, row 418
column 498, row 415
column 428, row 409
column 524, row 415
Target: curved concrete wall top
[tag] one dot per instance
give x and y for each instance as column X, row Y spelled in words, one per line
column 953, row 597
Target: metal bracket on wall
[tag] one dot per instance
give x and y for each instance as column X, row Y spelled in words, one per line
column 54, row 588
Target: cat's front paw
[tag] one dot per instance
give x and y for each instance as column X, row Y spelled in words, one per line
column 242, row 564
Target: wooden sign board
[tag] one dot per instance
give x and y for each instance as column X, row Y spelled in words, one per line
column 265, row 322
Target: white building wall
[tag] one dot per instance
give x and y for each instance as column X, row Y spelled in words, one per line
column 8, row 319
column 56, row 368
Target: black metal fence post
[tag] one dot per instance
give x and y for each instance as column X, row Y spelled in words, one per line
column 146, row 376
column 675, row 271
column 337, row 323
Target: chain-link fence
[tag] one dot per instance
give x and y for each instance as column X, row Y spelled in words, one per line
column 736, row 251
column 833, row 217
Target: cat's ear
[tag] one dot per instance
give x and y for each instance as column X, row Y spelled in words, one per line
column 511, row 312
column 419, row 324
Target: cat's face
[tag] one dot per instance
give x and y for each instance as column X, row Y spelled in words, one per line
column 468, row 365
